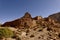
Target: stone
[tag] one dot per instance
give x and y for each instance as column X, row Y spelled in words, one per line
column 37, row 18
column 21, row 22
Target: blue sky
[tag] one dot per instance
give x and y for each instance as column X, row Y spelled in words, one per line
column 13, row 9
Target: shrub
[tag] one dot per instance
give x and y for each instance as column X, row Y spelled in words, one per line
column 5, row 32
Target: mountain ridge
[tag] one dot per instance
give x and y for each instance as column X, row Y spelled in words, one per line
column 28, row 20
column 37, row 28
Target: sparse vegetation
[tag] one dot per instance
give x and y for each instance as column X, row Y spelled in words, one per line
column 5, row 33
column 28, row 28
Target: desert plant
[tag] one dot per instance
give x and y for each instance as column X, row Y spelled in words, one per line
column 5, row 33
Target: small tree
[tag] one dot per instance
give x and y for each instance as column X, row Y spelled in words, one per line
column 5, row 33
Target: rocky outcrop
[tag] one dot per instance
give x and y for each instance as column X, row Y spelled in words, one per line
column 27, row 21
column 55, row 17
column 22, row 22
column 37, row 18
column 36, row 28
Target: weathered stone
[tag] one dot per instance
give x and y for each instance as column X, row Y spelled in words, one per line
column 37, row 18
column 24, row 21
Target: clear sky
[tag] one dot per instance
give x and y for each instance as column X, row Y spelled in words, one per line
column 13, row 9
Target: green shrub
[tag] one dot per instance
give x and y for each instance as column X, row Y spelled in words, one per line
column 5, row 32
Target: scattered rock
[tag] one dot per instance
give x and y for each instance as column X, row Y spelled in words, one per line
column 31, row 36
column 30, row 28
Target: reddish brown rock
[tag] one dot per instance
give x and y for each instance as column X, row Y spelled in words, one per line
column 37, row 18
column 27, row 21
column 55, row 16
column 20, row 23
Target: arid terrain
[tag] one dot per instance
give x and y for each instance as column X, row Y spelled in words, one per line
column 36, row 28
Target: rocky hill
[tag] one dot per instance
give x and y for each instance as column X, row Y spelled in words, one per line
column 55, row 16
column 21, row 22
column 27, row 20
column 37, row 28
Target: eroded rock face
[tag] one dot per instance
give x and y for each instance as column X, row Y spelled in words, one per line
column 37, row 18
column 27, row 15
column 55, row 16
column 42, row 28
column 27, row 21
column 24, row 21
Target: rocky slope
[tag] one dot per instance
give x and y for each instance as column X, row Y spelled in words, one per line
column 37, row 28
column 55, row 16
column 21, row 22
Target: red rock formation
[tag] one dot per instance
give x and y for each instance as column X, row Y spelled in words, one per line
column 27, row 21
column 20, row 23
column 37, row 18
column 55, row 17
